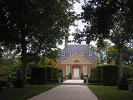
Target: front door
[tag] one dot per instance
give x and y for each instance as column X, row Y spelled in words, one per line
column 76, row 72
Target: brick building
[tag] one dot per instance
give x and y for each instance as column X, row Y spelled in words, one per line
column 76, row 59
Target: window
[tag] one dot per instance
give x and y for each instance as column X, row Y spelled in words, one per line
column 84, row 70
column 63, row 53
column 67, row 70
column 71, row 53
column 90, row 61
column 82, row 53
column 90, row 53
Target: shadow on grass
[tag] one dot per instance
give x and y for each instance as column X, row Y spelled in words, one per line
column 24, row 93
column 110, row 93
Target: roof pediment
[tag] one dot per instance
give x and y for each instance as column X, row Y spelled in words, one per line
column 76, row 59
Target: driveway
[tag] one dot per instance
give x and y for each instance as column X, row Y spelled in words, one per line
column 67, row 92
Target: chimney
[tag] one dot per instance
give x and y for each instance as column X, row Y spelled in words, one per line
column 113, row 61
column 66, row 40
column 88, row 43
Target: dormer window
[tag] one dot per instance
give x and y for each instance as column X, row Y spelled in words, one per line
column 82, row 53
column 70, row 53
column 90, row 53
column 63, row 53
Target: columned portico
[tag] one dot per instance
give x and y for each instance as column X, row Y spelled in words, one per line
column 76, row 65
column 76, row 60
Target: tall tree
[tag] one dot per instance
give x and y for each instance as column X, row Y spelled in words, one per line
column 36, row 25
column 109, row 19
column 101, row 51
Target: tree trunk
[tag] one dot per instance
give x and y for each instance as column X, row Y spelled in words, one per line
column 23, row 58
column 120, row 63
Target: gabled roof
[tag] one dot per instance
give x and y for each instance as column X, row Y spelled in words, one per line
column 76, row 59
column 80, row 49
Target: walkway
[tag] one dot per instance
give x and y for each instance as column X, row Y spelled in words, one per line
column 67, row 92
column 74, row 82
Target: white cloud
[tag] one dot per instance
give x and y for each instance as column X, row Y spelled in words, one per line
column 78, row 10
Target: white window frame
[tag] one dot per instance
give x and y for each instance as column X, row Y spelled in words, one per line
column 90, row 53
column 67, row 69
column 70, row 52
column 63, row 53
column 84, row 70
column 82, row 53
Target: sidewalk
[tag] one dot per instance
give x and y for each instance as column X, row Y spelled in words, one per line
column 74, row 82
column 67, row 92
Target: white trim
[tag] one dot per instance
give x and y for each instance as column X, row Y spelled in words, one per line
column 74, row 63
column 63, row 53
column 67, row 69
column 84, row 70
column 76, row 72
column 79, row 56
column 90, row 53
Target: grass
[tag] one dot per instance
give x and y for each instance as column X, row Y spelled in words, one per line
column 110, row 93
column 24, row 93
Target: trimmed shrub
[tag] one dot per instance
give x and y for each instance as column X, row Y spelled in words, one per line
column 52, row 81
column 44, row 75
column 18, row 83
column 128, row 71
column 82, row 76
column 123, row 84
column 55, row 74
column 60, row 74
column 95, row 75
column 38, row 76
column 48, row 72
column 109, row 75
column 70, row 76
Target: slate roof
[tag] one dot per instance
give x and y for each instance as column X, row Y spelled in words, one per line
column 83, row 50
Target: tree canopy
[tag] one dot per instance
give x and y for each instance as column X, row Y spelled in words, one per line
column 36, row 26
column 108, row 19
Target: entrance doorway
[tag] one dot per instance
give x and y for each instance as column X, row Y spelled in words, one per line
column 76, row 72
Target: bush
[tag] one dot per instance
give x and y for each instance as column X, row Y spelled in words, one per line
column 128, row 71
column 60, row 74
column 38, row 76
column 53, row 81
column 18, row 83
column 95, row 75
column 109, row 74
column 48, row 72
column 123, row 84
column 70, row 76
column 82, row 76
column 55, row 74
column 44, row 75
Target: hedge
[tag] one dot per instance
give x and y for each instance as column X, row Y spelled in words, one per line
column 128, row 71
column 44, row 75
column 96, row 75
column 38, row 76
column 105, row 75
column 109, row 74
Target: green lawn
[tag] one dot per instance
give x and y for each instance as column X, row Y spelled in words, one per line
column 24, row 93
column 110, row 93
